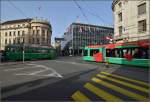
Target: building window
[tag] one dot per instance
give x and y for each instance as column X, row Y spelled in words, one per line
column 18, row 41
column 120, row 5
column 14, row 41
column 9, row 33
column 23, row 25
column 5, row 41
column 23, row 33
column 23, row 40
column 38, row 41
column 14, row 33
column 18, row 26
column 43, row 39
column 43, row 32
column 38, row 32
column 142, row 26
column 9, row 41
column 120, row 30
column 33, row 31
column 5, row 33
column 33, row 41
column 47, row 33
column 120, row 17
column 18, row 33
column 142, row 9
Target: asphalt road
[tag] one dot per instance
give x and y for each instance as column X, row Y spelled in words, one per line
column 70, row 78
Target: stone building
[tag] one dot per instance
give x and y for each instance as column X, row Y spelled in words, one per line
column 25, row 31
column 131, row 20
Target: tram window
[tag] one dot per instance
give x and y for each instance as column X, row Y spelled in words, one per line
column 140, row 53
column 117, row 53
column 107, row 52
column 85, row 52
column 93, row 51
column 125, row 51
column 144, row 54
column 43, row 51
column 12, row 49
column 136, row 53
column 110, row 53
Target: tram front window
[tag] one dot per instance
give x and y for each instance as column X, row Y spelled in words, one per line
column 93, row 51
column 85, row 52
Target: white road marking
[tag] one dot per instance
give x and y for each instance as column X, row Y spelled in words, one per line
column 47, row 75
column 17, row 69
column 75, row 63
column 36, row 73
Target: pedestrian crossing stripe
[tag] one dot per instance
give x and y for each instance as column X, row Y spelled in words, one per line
column 125, row 83
column 120, row 90
column 101, row 93
column 125, row 78
column 80, row 97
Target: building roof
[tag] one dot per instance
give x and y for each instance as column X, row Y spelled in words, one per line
column 16, row 21
column 92, row 25
column 114, row 3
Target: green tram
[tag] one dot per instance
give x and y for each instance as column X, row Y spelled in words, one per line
column 15, row 52
column 132, row 54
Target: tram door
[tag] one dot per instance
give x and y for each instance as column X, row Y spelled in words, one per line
column 98, row 56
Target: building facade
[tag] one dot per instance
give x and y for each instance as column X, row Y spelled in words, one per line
column 131, row 20
column 58, row 45
column 27, row 31
column 79, row 35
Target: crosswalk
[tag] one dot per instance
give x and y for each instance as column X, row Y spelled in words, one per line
column 120, row 86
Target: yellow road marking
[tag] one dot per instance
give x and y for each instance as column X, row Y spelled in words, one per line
column 80, row 97
column 125, row 83
column 125, row 78
column 122, row 91
column 103, row 94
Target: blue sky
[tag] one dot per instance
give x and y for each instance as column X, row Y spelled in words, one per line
column 61, row 13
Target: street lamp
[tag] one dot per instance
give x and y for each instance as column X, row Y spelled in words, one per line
column 17, row 41
column 22, row 42
column 23, row 47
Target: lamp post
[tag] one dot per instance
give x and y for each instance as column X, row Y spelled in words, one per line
column 23, row 48
column 23, row 57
